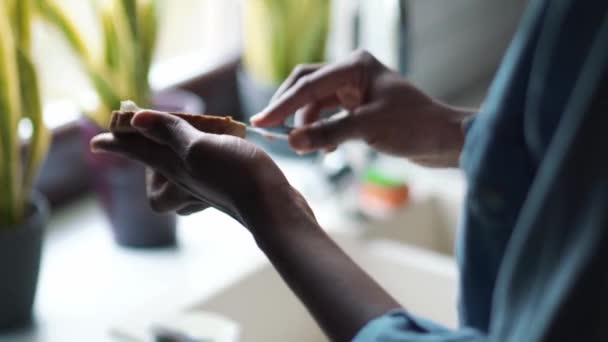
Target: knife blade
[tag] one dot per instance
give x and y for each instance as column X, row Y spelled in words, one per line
column 278, row 133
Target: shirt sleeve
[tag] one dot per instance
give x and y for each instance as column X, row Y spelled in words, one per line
column 400, row 326
column 467, row 123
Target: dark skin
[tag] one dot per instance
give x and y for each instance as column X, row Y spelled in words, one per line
column 191, row 170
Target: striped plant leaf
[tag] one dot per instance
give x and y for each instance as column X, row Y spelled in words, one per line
column 308, row 32
column 278, row 35
column 96, row 69
column 32, row 109
column 148, row 23
column 124, row 70
column 105, row 90
column 264, row 43
column 22, row 14
column 56, row 15
column 11, row 206
column 110, row 48
column 129, row 7
column 129, row 29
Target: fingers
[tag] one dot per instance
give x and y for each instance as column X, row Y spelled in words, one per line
column 307, row 115
column 166, row 129
column 298, row 72
column 311, row 88
column 310, row 113
column 154, row 180
column 326, row 134
column 350, row 97
column 159, row 157
column 165, row 196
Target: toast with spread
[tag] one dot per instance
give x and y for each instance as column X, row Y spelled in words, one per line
column 121, row 122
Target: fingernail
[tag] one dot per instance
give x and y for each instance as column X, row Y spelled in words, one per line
column 254, row 119
column 95, row 149
column 142, row 120
column 93, row 145
column 301, row 141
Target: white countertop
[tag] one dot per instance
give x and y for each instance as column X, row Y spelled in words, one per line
column 88, row 284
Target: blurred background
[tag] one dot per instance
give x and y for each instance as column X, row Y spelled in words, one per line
column 112, row 270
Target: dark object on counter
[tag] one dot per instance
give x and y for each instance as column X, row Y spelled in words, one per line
column 20, row 251
column 162, row 334
column 120, row 184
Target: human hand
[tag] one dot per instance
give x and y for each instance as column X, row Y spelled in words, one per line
column 165, row 196
column 191, row 170
column 384, row 109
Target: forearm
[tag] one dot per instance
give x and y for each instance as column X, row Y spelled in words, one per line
column 338, row 293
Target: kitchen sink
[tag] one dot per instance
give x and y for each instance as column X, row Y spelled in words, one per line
column 423, row 281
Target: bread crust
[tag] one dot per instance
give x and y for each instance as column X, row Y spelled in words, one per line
column 121, row 123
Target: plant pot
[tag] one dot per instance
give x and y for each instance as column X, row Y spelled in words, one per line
column 57, row 183
column 254, row 97
column 20, row 250
column 120, row 184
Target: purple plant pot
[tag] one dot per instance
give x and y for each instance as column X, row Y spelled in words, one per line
column 120, row 184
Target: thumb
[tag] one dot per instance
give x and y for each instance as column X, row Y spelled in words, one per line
column 165, row 129
column 326, row 133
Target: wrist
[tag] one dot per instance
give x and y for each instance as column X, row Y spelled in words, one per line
column 451, row 133
column 276, row 211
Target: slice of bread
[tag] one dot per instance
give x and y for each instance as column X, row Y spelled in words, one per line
column 121, row 123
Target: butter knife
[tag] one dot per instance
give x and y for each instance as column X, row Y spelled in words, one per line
column 278, row 133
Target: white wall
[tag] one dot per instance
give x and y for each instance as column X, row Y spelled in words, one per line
column 455, row 44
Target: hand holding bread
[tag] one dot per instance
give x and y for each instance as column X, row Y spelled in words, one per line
column 202, row 156
column 120, row 122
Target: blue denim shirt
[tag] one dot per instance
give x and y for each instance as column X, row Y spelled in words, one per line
column 533, row 248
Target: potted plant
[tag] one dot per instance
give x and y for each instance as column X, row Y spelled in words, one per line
column 277, row 36
column 23, row 213
column 120, row 72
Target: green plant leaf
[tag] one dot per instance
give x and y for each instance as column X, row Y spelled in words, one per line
column 147, row 12
column 56, row 15
column 309, row 31
column 264, row 25
column 11, row 206
column 106, row 93
column 129, row 29
column 32, row 108
column 124, row 72
column 99, row 74
column 148, row 21
column 278, row 35
column 110, row 48
column 23, row 23
column 130, row 10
